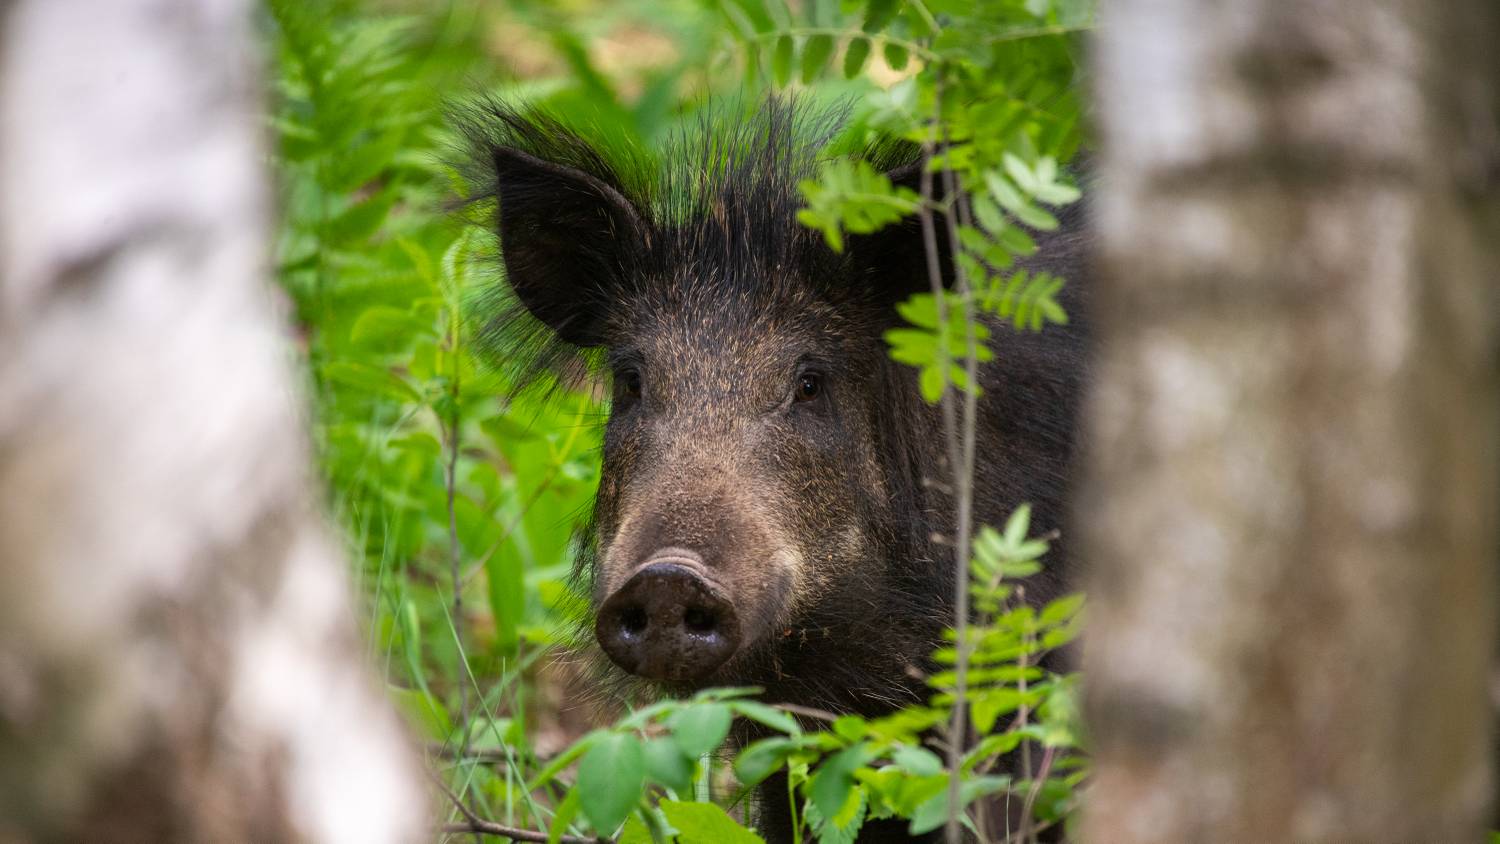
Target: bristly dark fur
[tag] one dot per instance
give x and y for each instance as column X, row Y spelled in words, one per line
column 718, row 194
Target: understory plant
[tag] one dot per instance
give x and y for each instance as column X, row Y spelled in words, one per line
column 460, row 497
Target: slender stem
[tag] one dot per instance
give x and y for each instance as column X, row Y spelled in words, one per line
column 479, row 826
column 791, row 799
column 1031, row 794
column 958, row 465
column 450, row 481
column 454, row 566
column 969, row 447
column 476, row 825
column 1024, row 712
column 807, row 712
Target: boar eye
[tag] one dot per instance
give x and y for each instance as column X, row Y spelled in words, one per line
column 628, row 382
column 809, row 386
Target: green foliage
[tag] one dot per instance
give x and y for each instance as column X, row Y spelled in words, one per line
column 459, row 497
column 851, row 196
column 994, row 105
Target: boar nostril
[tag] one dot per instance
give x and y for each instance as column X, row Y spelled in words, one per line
column 668, row 622
column 699, row 620
column 633, row 619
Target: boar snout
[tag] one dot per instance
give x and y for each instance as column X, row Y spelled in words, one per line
column 669, row 621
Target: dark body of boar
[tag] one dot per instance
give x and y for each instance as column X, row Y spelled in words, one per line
column 772, row 482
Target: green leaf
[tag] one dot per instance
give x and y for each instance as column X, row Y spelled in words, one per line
column 995, row 745
column 761, row 758
column 1016, row 240
column 918, row 761
column 879, row 14
column 358, row 222
column 768, row 715
column 1013, row 201
column 1017, row 525
column 896, row 55
column 987, row 212
column 815, row 55
column 932, row 384
column 849, row 727
column 506, row 591
column 665, row 764
column 700, row 728
column 610, row 778
column 1020, row 173
column 383, row 325
column 987, row 705
column 423, row 710
column 781, row 60
column 635, row 832
column 833, row 780
column 920, row 310
column 843, row 827
column 1061, row 609
column 705, row 823
column 933, row 812
column 855, row 56
column 567, row 810
column 371, row 379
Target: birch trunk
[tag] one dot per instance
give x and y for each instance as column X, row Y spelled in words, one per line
column 1291, row 504
column 178, row 656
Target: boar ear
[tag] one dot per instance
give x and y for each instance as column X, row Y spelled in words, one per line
column 894, row 259
column 566, row 237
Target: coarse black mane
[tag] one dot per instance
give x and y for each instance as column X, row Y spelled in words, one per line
column 717, row 205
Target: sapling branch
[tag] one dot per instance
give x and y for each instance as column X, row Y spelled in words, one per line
column 961, row 448
column 473, row 824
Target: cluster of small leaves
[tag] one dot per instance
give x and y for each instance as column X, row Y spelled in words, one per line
column 988, row 89
column 639, row 777
column 851, row 196
column 790, row 46
column 864, row 769
column 644, row 772
column 1025, row 299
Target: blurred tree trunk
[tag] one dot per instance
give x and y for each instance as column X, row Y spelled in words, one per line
column 178, row 657
column 1291, row 504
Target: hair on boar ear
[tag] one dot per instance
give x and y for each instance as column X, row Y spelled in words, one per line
column 565, row 237
column 569, row 233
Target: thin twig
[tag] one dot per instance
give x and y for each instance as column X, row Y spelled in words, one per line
column 807, row 712
column 450, row 478
column 491, row 755
column 1036, row 830
column 1024, row 711
column 1036, row 788
column 472, row 823
column 479, row 826
column 454, row 562
column 960, row 455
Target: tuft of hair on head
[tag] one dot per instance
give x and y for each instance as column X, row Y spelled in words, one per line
column 582, row 223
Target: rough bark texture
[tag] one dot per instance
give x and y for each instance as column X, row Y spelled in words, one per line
column 178, row 658
column 1291, row 506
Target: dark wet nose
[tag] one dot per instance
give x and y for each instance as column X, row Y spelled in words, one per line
column 668, row 623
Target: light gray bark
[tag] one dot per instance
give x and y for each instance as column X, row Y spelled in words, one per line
column 178, row 656
column 1291, row 508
